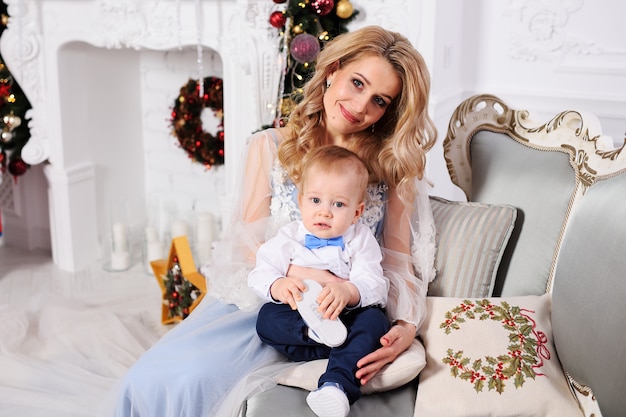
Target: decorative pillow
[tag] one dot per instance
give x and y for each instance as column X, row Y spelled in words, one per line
column 401, row 371
column 491, row 357
column 471, row 238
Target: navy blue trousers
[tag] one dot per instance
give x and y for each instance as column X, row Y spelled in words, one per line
column 283, row 328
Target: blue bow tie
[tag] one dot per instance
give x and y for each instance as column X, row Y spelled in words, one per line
column 314, row 242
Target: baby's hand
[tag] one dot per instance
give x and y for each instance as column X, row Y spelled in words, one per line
column 287, row 290
column 335, row 297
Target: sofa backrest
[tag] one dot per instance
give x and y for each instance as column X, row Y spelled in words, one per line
column 588, row 318
column 492, row 155
column 569, row 239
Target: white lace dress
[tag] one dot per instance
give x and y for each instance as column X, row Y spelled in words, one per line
column 212, row 360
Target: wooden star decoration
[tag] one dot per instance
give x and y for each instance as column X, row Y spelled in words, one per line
column 183, row 287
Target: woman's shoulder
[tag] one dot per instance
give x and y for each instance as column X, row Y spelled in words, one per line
column 270, row 136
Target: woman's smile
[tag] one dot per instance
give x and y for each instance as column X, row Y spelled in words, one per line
column 347, row 115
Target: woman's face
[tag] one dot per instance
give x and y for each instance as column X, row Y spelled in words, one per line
column 359, row 95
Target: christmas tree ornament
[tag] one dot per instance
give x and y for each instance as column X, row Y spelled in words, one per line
column 11, row 121
column 304, row 48
column 18, row 167
column 5, row 137
column 279, row 1
column 323, row 7
column 278, row 19
column 344, row 9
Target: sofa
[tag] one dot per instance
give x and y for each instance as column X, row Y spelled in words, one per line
column 524, row 315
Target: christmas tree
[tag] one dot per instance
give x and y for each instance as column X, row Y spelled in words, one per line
column 306, row 26
column 14, row 133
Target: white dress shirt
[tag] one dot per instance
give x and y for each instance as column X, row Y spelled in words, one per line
column 359, row 261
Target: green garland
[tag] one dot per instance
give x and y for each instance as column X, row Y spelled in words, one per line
column 200, row 145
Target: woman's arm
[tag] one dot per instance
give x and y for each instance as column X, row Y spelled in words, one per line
column 404, row 295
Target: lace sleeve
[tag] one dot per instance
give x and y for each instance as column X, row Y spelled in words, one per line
column 409, row 255
column 234, row 253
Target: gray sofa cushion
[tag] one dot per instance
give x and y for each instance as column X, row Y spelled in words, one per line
column 283, row 401
column 471, row 238
column 507, row 172
column 591, row 274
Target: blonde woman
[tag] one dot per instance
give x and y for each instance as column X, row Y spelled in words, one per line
column 369, row 94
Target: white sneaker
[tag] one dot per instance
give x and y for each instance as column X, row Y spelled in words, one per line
column 331, row 333
column 329, row 401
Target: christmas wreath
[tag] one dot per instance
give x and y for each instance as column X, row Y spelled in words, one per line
column 200, row 145
column 524, row 355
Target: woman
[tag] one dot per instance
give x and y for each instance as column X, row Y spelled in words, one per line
column 369, row 94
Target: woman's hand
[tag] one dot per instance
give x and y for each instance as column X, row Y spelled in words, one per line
column 322, row 276
column 395, row 341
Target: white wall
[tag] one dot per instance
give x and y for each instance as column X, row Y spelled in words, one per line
column 548, row 56
column 545, row 56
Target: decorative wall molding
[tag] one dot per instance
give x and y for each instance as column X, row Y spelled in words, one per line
column 540, row 30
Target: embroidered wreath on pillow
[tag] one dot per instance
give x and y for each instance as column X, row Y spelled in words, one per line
column 525, row 352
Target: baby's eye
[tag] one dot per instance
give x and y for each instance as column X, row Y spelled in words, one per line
column 315, row 200
column 339, row 204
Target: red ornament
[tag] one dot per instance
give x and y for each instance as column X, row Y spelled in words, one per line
column 278, row 19
column 304, row 48
column 5, row 89
column 17, row 167
column 279, row 1
column 323, row 7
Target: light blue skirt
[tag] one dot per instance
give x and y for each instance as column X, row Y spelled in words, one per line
column 203, row 367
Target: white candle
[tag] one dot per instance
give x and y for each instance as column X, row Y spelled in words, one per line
column 151, row 234
column 203, row 251
column 154, row 251
column 120, row 261
column 178, row 228
column 120, row 242
column 205, row 231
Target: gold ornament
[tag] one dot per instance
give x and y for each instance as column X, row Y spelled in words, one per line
column 344, row 9
column 297, row 29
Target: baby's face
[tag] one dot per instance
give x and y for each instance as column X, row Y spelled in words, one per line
column 330, row 203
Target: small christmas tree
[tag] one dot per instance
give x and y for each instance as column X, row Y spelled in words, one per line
column 305, row 27
column 14, row 133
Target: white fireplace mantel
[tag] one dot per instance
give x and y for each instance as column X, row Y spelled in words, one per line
column 38, row 31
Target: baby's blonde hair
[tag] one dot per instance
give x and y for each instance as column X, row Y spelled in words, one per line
column 336, row 160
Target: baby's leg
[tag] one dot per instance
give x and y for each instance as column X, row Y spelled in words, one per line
column 283, row 328
column 365, row 328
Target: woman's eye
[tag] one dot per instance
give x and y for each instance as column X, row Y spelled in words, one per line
column 357, row 83
column 380, row 102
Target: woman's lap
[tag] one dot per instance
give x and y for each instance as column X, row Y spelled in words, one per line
column 191, row 369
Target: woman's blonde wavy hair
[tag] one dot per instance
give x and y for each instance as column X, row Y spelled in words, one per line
column 395, row 152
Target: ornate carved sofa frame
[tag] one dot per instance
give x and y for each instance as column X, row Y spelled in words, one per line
column 569, row 193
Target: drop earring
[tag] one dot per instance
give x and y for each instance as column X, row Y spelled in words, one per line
column 327, row 83
column 373, row 127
